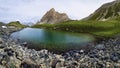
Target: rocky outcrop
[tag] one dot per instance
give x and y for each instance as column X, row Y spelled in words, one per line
column 52, row 17
column 106, row 11
column 8, row 30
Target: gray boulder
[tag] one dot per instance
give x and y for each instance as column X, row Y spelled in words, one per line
column 100, row 46
column 1, row 40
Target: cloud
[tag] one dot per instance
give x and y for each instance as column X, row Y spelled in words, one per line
column 33, row 10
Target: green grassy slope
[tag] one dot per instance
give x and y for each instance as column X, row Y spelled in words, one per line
column 109, row 12
column 100, row 28
column 106, row 11
column 16, row 24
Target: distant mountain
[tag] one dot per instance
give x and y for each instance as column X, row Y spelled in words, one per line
column 16, row 24
column 53, row 16
column 106, row 11
column 28, row 23
column 2, row 24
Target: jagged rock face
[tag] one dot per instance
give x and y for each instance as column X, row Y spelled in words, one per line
column 106, row 11
column 54, row 17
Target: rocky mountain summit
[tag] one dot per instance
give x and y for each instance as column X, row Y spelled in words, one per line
column 106, row 11
column 53, row 16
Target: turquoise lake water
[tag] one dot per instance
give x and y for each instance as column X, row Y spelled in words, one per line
column 52, row 40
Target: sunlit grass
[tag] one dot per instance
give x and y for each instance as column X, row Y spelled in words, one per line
column 16, row 24
column 100, row 28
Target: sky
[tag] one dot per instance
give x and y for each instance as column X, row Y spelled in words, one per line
column 31, row 11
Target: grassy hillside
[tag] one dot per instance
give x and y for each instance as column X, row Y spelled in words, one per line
column 106, row 11
column 16, row 24
column 100, row 28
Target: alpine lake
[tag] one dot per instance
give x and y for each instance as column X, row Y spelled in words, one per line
column 55, row 41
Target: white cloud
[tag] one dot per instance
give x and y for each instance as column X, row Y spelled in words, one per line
column 33, row 10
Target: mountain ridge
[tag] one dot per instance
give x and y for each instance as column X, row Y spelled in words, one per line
column 106, row 11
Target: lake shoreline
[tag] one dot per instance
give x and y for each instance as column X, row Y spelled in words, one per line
column 54, row 41
column 105, row 54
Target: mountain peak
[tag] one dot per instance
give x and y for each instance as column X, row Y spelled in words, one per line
column 53, row 16
column 52, row 10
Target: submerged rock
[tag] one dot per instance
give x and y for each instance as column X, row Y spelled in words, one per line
column 100, row 46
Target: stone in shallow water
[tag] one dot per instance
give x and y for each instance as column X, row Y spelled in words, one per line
column 100, row 46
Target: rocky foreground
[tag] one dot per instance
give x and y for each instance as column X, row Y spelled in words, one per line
column 106, row 54
column 8, row 30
